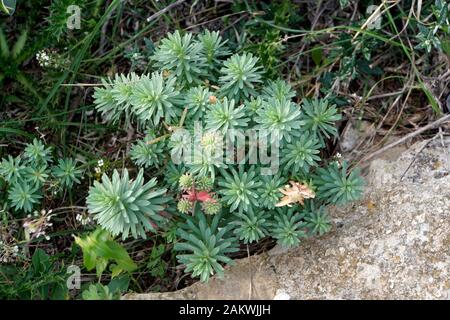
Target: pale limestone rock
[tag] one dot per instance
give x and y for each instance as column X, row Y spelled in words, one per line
column 394, row 244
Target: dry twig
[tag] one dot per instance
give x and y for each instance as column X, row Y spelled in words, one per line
column 432, row 125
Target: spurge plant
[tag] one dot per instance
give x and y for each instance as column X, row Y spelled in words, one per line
column 205, row 184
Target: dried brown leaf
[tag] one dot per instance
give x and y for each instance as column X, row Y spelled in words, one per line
column 297, row 193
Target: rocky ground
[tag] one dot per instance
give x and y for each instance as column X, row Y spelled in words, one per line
column 395, row 244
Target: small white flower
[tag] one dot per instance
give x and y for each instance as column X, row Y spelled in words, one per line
column 100, row 163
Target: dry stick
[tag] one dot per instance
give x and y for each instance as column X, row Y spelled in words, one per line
column 417, row 153
column 183, row 117
column 313, row 25
column 81, row 84
column 419, row 9
column 250, row 289
column 405, row 25
column 397, row 99
column 386, row 95
column 441, row 135
column 161, row 12
column 218, row 18
column 432, row 125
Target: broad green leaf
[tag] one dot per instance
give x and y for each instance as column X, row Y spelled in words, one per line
column 40, row 261
column 119, row 284
column 97, row 292
column 99, row 249
column 317, row 55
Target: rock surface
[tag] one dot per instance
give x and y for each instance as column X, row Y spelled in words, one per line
column 395, row 244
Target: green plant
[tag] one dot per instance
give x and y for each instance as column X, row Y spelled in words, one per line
column 289, row 227
column 98, row 292
column 11, row 59
column 317, row 220
column 214, row 48
column 154, row 98
column 183, row 56
column 278, row 89
column 197, row 99
column 239, row 189
column 252, row 226
column 284, row 69
column 207, row 160
column 156, row 265
column 11, row 169
column 279, row 119
column 336, row 185
column 301, row 154
column 198, row 103
column 24, row 196
column 240, row 74
column 31, row 177
column 113, row 100
column 146, row 154
column 124, row 206
column 37, row 153
column 67, row 172
column 113, row 291
column 37, row 175
column 172, row 175
column 266, row 31
column 269, row 190
column 44, row 279
column 206, row 246
column 99, row 248
column 59, row 15
column 428, row 35
column 224, row 116
column 319, row 117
